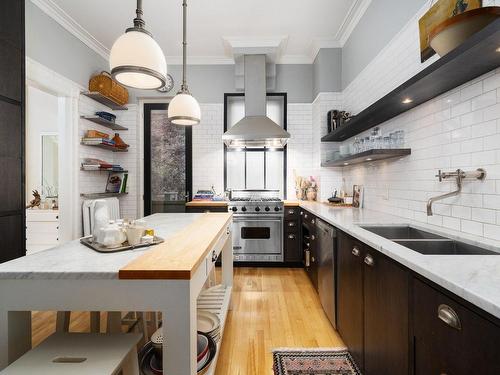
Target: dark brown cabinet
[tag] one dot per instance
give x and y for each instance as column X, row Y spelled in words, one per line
column 372, row 308
column 309, row 245
column 350, row 296
column 291, row 236
column 386, row 314
column 451, row 339
column 12, row 201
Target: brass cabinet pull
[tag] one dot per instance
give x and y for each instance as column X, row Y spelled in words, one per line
column 307, row 255
column 449, row 316
column 313, row 237
column 369, row 260
column 291, row 223
column 291, row 236
column 313, row 221
column 291, row 212
column 305, row 216
column 355, row 251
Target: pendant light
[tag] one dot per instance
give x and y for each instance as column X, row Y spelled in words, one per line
column 136, row 60
column 184, row 109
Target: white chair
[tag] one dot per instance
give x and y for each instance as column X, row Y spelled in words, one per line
column 80, row 354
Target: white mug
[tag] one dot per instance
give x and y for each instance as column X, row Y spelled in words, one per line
column 134, row 234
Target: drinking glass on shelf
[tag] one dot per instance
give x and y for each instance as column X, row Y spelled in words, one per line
column 367, row 144
column 400, row 138
column 394, row 140
column 355, row 146
column 379, row 142
column 387, row 142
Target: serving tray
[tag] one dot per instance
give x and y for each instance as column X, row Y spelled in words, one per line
column 87, row 241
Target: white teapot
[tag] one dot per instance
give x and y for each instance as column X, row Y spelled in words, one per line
column 112, row 235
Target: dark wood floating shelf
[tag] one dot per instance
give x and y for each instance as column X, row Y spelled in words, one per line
column 103, row 122
column 476, row 56
column 368, row 157
column 101, row 195
column 98, row 97
column 107, row 147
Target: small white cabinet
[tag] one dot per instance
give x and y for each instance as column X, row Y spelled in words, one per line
column 42, row 230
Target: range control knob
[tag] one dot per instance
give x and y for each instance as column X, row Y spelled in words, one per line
column 243, row 208
column 257, row 209
column 234, row 209
column 276, row 208
column 267, row 208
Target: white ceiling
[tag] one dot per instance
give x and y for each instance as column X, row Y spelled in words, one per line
column 306, row 24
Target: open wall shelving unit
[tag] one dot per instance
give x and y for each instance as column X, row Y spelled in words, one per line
column 478, row 55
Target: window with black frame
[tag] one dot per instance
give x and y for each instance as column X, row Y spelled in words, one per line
column 255, row 168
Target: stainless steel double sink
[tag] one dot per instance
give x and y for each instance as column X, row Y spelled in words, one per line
column 426, row 243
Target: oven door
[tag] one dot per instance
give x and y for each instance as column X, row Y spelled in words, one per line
column 258, row 238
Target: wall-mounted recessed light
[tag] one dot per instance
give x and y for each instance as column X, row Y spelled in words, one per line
column 368, row 159
column 498, row 49
column 407, row 100
column 346, row 163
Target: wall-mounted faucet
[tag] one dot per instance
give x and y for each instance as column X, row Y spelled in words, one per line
column 479, row 174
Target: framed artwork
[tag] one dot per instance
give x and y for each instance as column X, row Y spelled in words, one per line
column 439, row 12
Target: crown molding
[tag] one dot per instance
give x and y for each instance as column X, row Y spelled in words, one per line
column 295, row 59
column 73, row 27
column 320, row 43
column 353, row 16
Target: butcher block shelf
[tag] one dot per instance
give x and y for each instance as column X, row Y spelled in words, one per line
column 476, row 56
column 368, row 157
column 180, row 255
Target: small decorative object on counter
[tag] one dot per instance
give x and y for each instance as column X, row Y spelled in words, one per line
column 357, row 196
column 149, row 232
column 35, row 202
column 108, row 87
column 135, row 232
column 147, row 239
column 306, row 188
column 96, row 134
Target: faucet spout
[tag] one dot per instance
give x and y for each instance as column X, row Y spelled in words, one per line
column 459, row 177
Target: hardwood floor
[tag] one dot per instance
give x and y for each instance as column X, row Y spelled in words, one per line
column 271, row 308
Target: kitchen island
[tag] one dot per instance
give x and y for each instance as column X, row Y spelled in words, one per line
column 166, row 278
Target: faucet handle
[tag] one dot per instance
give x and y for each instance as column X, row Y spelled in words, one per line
column 440, row 176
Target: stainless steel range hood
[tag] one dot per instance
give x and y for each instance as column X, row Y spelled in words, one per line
column 255, row 129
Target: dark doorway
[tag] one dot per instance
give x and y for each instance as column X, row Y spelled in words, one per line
column 167, row 162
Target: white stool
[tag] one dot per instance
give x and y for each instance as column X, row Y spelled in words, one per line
column 80, row 354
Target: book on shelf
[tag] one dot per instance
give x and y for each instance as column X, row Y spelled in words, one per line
column 117, row 183
column 98, row 141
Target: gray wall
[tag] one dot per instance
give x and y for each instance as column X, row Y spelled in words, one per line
column 381, row 22
column 51, row 45
column 208, row 83
column 327, row 71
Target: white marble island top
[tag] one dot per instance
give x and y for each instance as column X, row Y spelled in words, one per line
column 76, row 261
column 475, row 278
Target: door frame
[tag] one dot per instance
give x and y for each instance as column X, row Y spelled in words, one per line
column 147, row 107
column 68, row 93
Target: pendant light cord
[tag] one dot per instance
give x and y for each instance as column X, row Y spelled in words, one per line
column 184, row 87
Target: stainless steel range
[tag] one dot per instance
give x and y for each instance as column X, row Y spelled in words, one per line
column 257, row 225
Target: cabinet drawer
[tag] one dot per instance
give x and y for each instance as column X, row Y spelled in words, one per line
column 39, row 215
column 308, row 218
column 42, row 239
column 291, row 225
column 42, row 227
column 450, row 338
column 293, row 251
column 292, row 212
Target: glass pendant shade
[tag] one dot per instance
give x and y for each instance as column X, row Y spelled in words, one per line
column 137, row 61
column 184, row 110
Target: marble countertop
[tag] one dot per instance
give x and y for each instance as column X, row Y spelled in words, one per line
column 475, row 278
column 76, row 261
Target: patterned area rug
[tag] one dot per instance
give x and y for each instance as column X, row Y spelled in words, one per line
column 333, row 361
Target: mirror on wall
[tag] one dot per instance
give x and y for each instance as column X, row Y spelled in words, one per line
column 50, row 161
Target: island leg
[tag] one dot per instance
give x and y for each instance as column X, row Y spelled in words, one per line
column 15, row 335
column 179, row 335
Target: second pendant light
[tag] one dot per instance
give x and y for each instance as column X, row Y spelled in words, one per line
column 184, row 108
